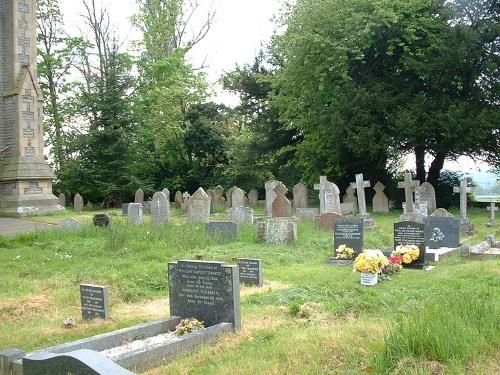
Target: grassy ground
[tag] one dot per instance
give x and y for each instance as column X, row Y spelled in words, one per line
column 309, row 318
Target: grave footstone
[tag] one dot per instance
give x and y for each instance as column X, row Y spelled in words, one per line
column 410, row 185
column 237, row 197
column 222, row 231
column 277, row 231
column 307, row 214
column 350, row 197
column 240, row 215
column 442, row 232
column 102, row 220
column 300, row 196
column 281, row 206
column 380, row 201
column 178, row 199
column 250, row 271
column 198, row 207
column 95, row 301
column 349, row 232
column 62, row 200
column 207, row 291
column 360, row 186
column 160, row 208
column 78, row 203
column 135, row 214
column 465, row 225
column 270, row 195
column 327, row 220
column 253, row 198
column 139, row 196
column 411, row 233
column 426, row 193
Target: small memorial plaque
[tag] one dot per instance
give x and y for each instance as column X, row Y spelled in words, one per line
column 250, row 271
column 411, row 233
column 348, row 232
column 95, row 301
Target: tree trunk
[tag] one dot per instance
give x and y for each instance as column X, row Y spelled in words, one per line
column 420, row 163
column 435, row 168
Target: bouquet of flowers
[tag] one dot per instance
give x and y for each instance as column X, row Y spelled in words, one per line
column 408, row 252
column 343, row 252
column 372, row 261
column 188, row 325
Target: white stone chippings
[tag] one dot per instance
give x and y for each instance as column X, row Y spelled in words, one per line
column 150, row 342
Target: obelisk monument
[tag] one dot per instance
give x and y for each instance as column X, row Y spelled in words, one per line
column 25, row 177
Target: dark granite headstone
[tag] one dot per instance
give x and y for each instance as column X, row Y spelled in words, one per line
column 442, row 232
column 250, row 271
column 95, row 301
column 411, row 233
column 125, row 208
column 348, row 232
column 102, row 220
column 207, row 291
column 222, row 230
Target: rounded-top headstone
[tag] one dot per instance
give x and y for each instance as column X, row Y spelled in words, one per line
column 78, row 203
column 160, row 208
column 139, row 196
column 237, row 197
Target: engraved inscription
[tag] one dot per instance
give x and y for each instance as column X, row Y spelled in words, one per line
column 33, row 189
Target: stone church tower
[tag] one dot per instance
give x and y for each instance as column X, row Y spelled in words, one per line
column 25, row 177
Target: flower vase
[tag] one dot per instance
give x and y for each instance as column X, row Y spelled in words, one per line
column 368, row 278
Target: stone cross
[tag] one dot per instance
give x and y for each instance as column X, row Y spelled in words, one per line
column 321, row 187
column 270, row 195
column 463, row 189
column 360, row 186
column 409, row 185
column 492, row 210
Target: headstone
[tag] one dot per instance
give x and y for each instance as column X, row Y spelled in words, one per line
column 250, row 271
column 348, row 232
column 411, row 233
column 270, row 195
column 237, row 197
column 70, row 224
column 139, row 196
column 332, row 198
column 350, row 197
column 463, row 189
column 198, row 207
column 409, row 185
column 493, row 209
column 211, row 194
column 219, row 196
column 229, row 197
column 167, row 194
column 426, row 193
column 160, row 208
column 281, row 206
column 146, row 207
column 124, row 208
column 277, row 231
column 207, row 291
column 442, row 232
column 78, row 203
column 90, row 204
column 185, row 201
column 178, row 199
column 327, row 220
column 300, row 196
column 360, row 186
column 62, row 200
column 240, row 215
column 347, row 208
column 135, row 214
column 380, row 201
column 222, row 231
column 307, row 214
column 421, row 211
column 95, row 301
column 253, row 198
column 102, row 220
column 441, row 212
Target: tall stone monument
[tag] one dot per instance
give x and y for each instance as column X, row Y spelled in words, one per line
column 360, row 186
column 466, row 226
column 25, row 177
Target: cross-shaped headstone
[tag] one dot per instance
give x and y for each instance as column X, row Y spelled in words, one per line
column 409, row 185
column 321, row 187
column 360, row 186
column 492, row 208
column 463, row 189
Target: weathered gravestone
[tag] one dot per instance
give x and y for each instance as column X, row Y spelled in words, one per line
column 465, row 224
column 270, row 195
column 281, row 206
column 78, row 203
column 146, row 207
column 219, row 199
column 198, row 207
column 207, row 291
column 277, row 231
column 426, row 193
column 493, row 209
column 360, row 186
column 348, row 232
column 211, row 194
column 139, row 196
column 347, row 208
column 441, row 212
column 124, row 208
column 380, row 201
column 70, row 224
column 442, row 232
column 350, row 197
column 102, row 220
column 327, row 220
column 222, row 231
column 237, row 197
column 329, row 196
column 178, row 199
column 253, row 198
column 307, row 214
column 135, row 214
column 185, row 201
column 95, row 301
column 240, row 215
column 250, row 271
column 160, row 208
column 300, row 196
column 410, row 213
column 411, row 233
column 90, row 204
column 62, row 200
column 167, row 194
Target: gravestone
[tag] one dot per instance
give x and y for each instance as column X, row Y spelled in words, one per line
column 240, row 215
column 102, row 220
column 237, row 197
column 441, row 212
column 348, row 232
column 327, row 220
column 493, row 209
column 146, row 207
column 380, row 201
column 442, row 232
column 95, row 301
column 277, row 231
column 426, row 193
column 160, row 208
column 360, row 186
column 198, row 207
column 250, row 271
column 253, row 198
column 347, row 208
column 411, row 213
column 211, row 194
column 70, row 224
column 185, row 201
column 78, row 203
column 300, row 196
column 332, row 198
column 178, row 199
column 222, row 231
column 465, row 224
column 135, row 214
column 124, row 208
column 219, row 199
column 281, row 206
column 90, row 204
column 411, row 233
column 307, row 214
column 167, row 194
column 350, row 197
column 207, row 291
column 270, row 195
column 62, row 200
column 139, row 196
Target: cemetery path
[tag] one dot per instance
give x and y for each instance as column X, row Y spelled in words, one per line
column 11, row 226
